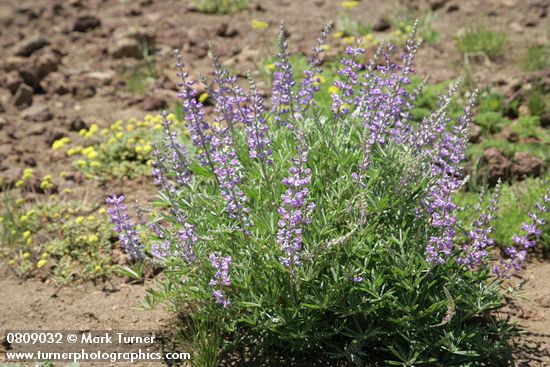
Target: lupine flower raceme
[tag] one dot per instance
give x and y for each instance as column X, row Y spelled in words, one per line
column 221, row 279
column 283, row 98
column 123, row 226
column 475, row 251
column 295, row 210
column 517, row 254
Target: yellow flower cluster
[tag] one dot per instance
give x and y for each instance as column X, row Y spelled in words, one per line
column 46, row 183
column 27, row 175
column 60, row 143
column 258, row 24
column 87, row 134
column 349, row 4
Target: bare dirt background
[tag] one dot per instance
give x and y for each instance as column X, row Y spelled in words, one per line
column 76, row 76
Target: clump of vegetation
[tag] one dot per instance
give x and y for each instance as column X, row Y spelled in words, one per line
column 536, row 58
column 61, row 237
column 327, row 228
column 220, row 6
column 350, row 27
column 123, row 150
column 482, row 40
column 515, row 201
column 138, row 77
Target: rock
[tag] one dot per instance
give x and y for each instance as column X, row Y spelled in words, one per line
column 131, row 42
column 475, row 133
column 383, row 24
column 495, row 166
column 545, row 120
column 437, row 4
column 126, row 47
column 226, row 30
column 12, row 81
column 2, row 110
column 53, row 135
column 452, row 8
column 153, row 104
column 9, row 177
column 83, row 91
column 56, row 83
column 105, row 77
column 37, row 113
column 77, row 124
column 526, row 165
column 34, row 70
column 23, row 96
column 86, row 23
column 27, row 46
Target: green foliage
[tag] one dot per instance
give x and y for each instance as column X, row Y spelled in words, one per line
column 538, row 102
column 138, row 77
column 122, row 150
column 58, row 238
column 490, row 122
column 481, row 39
column 404, row 310
column 536, row 58
column 220, row 6
column 351, row 27
column 515, row 201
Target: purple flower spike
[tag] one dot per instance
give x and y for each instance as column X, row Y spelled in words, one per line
column 295, row 211
column 282, row 97
column 256, row 126
column 194, row 114
column 447, row 157
column 476, row 251
column 310, row 83
column 517, row 254
column 221, row 279
column 128, row 236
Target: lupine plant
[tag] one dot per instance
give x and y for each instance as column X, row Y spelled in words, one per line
column 328, row 228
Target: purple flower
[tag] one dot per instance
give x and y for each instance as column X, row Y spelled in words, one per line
column 187, row 241
column 282, row 97
column 171, row 161
column 476, row 251
column 383, row 101
column 446, row 158
column 227, row 170
column 161, row 250
column 128, row 236
column 517, row 254
column 194, row 114
column 256, row 126
column 221, row 278
column 310, row 83
column 295, row 210
column 342, row 101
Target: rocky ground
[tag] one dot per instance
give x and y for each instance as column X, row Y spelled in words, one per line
column 67, row 64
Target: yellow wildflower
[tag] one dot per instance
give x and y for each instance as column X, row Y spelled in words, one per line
column 259, row 24
column 203, row 97
column 333, row 89
column 41, row 263
column 349, row 4
column 79, row 220
column 26, row 255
